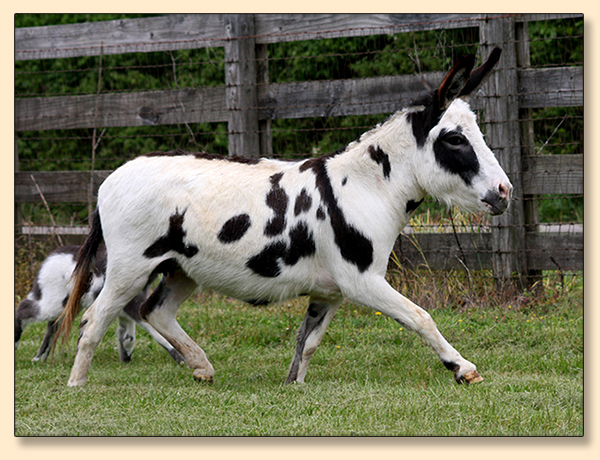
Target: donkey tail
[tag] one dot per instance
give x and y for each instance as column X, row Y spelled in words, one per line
column 81, row 277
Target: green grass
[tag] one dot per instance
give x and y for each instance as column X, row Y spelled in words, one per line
column 369, row 377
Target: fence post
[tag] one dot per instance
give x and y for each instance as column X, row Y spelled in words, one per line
column 241, row 84
column 530, row 203
column 264, row 124
column 503, row 133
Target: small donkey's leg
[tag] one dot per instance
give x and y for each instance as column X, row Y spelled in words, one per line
column 126, row 337
column 47, row 341
column 376, row 293
column 160, row 310
column 311, row 332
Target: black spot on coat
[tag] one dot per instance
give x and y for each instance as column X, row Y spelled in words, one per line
column 303, row 203
column 277, row 200
column 354, row 246
column 381, row 158
column 267, row 262
column 234, row 229
column 173, row 240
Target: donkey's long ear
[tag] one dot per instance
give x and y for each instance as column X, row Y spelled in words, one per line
column 480, row 75
column 454, row 82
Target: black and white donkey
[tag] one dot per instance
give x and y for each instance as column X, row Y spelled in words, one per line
column 49, row 294
column 265, row 230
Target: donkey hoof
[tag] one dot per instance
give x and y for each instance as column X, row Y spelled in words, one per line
column 201, row 376
column 470, row 377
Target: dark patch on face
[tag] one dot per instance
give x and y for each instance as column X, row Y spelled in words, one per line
column 344, row 181
column 455, row 154
column 173, row 240
column 277, row 200
column 234, row 229
column 27, row 309
column 321, row 214
column 381, row 158
column 411, row 205
column 205, row 156
column 303, row 203
column 353, row 245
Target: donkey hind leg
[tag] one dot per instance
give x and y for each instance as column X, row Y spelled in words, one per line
column 160, row 310
column 379, row 295
column 311, row 332
column 118, row 290
column 161, row 341
column 47, row 341
column 126, row 337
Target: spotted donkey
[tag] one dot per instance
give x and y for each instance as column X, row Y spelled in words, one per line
column 266, row 230
column 50, row 292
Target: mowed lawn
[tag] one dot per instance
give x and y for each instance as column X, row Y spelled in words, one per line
column 369, row 377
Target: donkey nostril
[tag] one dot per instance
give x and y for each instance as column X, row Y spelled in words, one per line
column 504, row 191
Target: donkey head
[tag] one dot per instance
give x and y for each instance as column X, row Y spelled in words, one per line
column 455, row 164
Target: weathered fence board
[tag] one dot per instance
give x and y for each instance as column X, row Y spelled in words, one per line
column 364, row 96
column 56, row 186
column 188, row 31
column 474, row 251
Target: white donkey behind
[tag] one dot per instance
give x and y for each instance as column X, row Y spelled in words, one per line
column 265, row 230
column 49, row 294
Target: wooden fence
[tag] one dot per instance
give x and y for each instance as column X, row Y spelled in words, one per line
column 248, row 103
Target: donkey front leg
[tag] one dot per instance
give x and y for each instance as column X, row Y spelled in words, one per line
column 377, row 294
column 311, row 332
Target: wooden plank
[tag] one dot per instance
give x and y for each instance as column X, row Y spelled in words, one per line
column 544, row 251
column 206, row 105
column 199, row 105
column 143, row 35
column 56, row 186
column 445, row 251
column 345, row 97
column 277, row 28
column 552, row 87
column 555, row 251
column 187, row 31
column 282, row 100
column 553, row 174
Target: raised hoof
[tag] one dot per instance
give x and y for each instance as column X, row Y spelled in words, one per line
column 470, row 377
column 200, row 376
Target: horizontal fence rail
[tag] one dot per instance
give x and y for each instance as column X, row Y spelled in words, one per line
column 248, row 103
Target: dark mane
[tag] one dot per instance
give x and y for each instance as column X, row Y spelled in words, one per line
column 204, row 156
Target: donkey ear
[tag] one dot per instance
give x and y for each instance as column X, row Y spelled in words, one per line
column 480, row 75
column 454, row 82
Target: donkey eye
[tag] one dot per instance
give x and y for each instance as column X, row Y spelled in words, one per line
column 456, row 139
